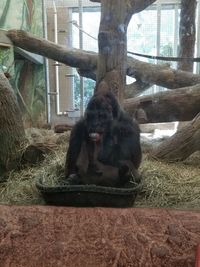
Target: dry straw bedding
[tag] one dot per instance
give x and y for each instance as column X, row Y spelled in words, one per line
column 173, row 185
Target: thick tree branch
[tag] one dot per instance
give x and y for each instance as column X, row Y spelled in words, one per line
column 187, row 33
column 87, row 73
column 137, row 87
column 173, row 105
column 131, row 90
column 181, row 145
column 73, row 57
column 134, row 6
column 87, row 61
column 160, row 74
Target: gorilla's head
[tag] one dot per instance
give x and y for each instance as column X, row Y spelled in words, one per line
column 101, row 110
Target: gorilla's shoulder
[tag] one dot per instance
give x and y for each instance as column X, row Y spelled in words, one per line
column 126, row 120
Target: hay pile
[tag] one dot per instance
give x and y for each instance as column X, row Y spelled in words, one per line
column 173, row 185
column 164, row 185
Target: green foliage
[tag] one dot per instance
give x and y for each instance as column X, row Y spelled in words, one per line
column 4, row 13
column 38, row 97
column 26, row 15
column 6, row 60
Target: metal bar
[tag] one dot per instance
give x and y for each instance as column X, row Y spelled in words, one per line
column 197, row 37
column 46, row 62
column 56, row 63
column 81, row 47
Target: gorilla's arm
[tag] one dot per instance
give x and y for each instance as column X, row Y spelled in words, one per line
column 121, row 142
column 128, row 135
column 75, row 142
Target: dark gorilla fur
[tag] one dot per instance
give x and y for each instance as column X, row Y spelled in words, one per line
column 115, row 157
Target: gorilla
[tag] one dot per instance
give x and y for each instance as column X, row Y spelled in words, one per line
column 104, row 146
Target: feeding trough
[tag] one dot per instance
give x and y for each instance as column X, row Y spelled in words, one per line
column 89, row 195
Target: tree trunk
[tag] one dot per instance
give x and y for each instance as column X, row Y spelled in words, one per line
column 112, row 40
column 181, row 145
column 12, row 133
column 187, row 33
column 87, row 62
column 177, row 105
column 161, row 75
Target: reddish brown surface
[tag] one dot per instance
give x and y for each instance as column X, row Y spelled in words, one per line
column 43, row 236
column 198, row 257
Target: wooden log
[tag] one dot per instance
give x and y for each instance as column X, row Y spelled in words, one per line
column 137, row 87
column 73, row 57
column 134, row 6
column 160, row 75
column 112, row 41
column 182, row 144
column 173, row 105
column 87, row 61
column 187, row 33
column 12, row 134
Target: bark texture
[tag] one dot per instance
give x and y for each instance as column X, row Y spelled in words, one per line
column 87, row 62
column 135, row 6
column 181, row 145
column 12, row 133
column 187, row 33
column 112, row 41
column 145, row 73
column 137, row 87
column 173, row 105
column 161, row 75
column 72, row 57
column 64, row 236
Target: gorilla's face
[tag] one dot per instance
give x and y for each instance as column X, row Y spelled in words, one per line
column 101, row 110
column 98, row 119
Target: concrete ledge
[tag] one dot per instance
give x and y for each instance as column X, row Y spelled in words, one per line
column 43, row 236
